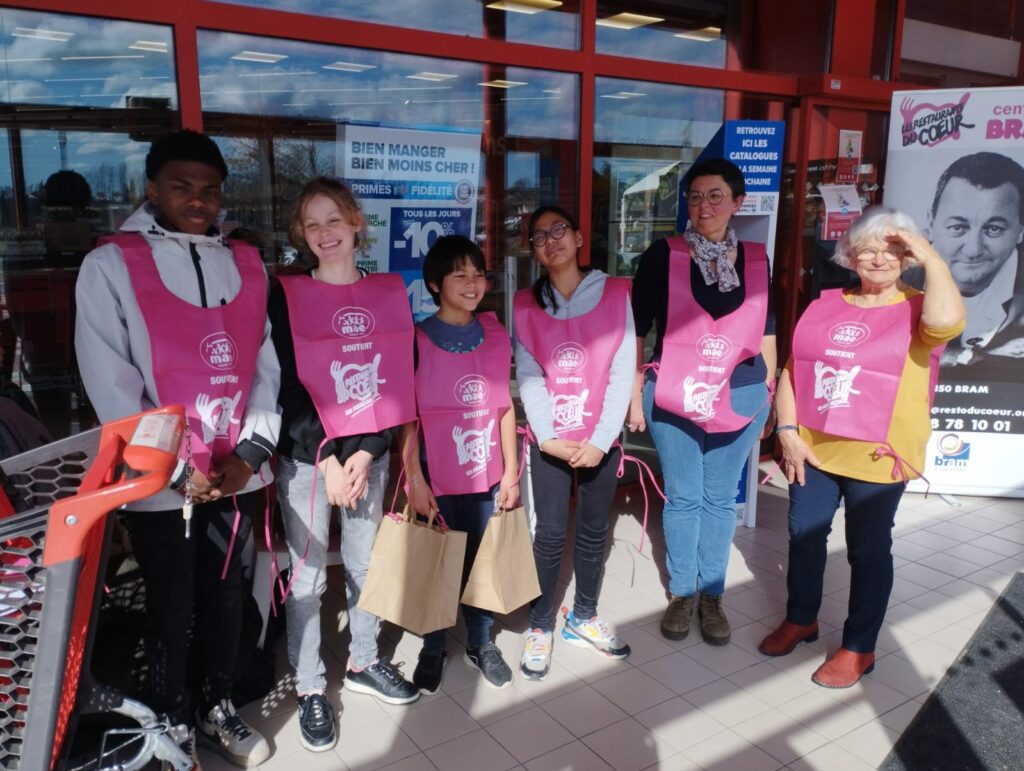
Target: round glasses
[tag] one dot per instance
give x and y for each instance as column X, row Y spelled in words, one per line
column 886, row 253
column 557, row 232
column 713, row 197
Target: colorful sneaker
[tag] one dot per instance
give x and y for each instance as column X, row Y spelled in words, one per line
column 594, row 634
column 488, row 659
column 316, row 723
column 224, row 731
column 429, row 668
column 536, row 660
column 383, row 680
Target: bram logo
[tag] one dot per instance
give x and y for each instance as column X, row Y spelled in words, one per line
column 471, row 391
column 849, row 333
column 954, row 452
column 353, row 322
column 569, row 357
column 929, row 124
column 219, row 350
column 714, row 347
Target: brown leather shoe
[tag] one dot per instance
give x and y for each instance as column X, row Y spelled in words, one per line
column 714, row 626
column 844, row 669
column 784, row 639
column 675, row 624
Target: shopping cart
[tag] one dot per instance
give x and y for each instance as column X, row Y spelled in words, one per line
column 54, row 533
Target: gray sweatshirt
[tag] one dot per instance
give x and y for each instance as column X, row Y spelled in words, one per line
column 530, row 376
column 113, row 344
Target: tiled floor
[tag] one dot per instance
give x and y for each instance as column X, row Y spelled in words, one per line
column 684, row 705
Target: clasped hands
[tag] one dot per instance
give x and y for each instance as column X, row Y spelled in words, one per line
column 226, row 478
column 581, row 454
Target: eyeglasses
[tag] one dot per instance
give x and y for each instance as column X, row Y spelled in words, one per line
column 886, row 253
column 713, row 197
column 557, row 232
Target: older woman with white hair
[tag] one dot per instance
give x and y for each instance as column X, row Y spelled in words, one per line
column 853, row 420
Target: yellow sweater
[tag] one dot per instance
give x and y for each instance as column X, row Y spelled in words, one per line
column 911, row 423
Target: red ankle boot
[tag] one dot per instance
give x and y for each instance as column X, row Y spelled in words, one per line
column 844, row 669
column 784, row 639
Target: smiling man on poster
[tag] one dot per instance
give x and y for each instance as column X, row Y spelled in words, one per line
column 976, row 223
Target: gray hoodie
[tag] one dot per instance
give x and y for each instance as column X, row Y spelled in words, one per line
column 112, row 342
column 530, row 376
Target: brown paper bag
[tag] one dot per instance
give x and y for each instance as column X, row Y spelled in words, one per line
column 504, row 575
column 414, row 574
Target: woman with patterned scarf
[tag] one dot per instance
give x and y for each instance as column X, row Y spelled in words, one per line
column 705, row 394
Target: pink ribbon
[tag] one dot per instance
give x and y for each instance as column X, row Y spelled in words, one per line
column 641, row 467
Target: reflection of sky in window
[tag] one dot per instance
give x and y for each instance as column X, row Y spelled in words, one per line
column 557, row 27
column 51, row 59
column 268, row 76
column 97, row 157
column 642, row 113
column 660, row 44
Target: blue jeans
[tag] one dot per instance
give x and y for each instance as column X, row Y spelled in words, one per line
column 701, row 472
column 870, row 514
column 469, row 513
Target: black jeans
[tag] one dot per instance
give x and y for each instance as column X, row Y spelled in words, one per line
column 870, row 514
column 182, row 576
column 469, row 513
column 551, row 487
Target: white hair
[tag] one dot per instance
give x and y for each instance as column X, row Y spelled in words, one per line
column 872, row 225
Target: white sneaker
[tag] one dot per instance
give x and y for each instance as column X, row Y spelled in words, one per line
column 536, row 659
column 223, row 730
column 185, row 738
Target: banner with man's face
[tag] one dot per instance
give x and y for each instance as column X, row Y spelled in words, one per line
column 956, row 165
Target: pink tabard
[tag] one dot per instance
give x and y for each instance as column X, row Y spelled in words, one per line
column 699, row 353
column 461, row 398
column 204, row 358
column 576, row 354
column 847, row 364
column 353, row 351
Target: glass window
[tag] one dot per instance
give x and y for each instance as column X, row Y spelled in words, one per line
column 82, row 99
column 685, row 32
column 539, row 22
column 645, row 137
column 948, row 44
column 502, row 139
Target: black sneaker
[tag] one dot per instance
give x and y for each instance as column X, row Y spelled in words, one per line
column 487, row 658
column 316, row 723
column 383, row 680
column 427, row 677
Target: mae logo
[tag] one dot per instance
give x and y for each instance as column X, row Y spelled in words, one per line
column 219, row 350
column 471, row 391
column 714, row 347
column 849, row 333
column 569, row 357
column 954, row 452
column 352, row 322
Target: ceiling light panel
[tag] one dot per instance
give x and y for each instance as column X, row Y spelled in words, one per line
column 258, row 56
column 628, row 21
column 529, row 7
column 38, row 33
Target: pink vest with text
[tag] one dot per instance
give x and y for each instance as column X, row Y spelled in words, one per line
column 576, row 355
column 848, row 362
column 353, row 351
column 699, row 353
column 203, row 358
column 461, row 398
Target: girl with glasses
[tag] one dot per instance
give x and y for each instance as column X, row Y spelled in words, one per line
column 574, row 365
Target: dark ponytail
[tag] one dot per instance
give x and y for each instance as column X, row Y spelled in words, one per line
column 543, row 292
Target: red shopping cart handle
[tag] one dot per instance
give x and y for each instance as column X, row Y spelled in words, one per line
column 135, row 460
